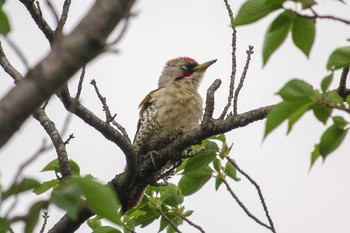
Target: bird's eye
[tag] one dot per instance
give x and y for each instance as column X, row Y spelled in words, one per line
column 184, row 68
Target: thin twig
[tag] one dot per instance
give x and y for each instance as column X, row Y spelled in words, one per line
column 192, row 223
column 35, row 11
column 109, row 117
column 210, row 101
column 317, row 16
column 80, row 84
column 8, row 68
column 123, row 30
column 71, row 136
column 249, row 52
column 257, row 187
column 45, row 217
column 240, row 203
column 342, row 83
column 234, row 62
column 19, row 172
column 160, row 211
column 19, row 53
column 53, row 10
column 63, row 18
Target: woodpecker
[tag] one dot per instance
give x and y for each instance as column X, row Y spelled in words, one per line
column 175, row 107
column 172, row 109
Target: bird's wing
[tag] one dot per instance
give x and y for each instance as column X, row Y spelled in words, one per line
column 144, row 106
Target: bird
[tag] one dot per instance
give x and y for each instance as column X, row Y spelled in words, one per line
column 172, row 109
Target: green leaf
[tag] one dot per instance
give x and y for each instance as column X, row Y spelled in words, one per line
column 253, row 10
column 340, row 58
column 321, row 112
column 203, row 158
column 331, row 139
column 296, row 90
column 299, row 112
column 4, row 225
column 5, row 27
column 94, row 223
column 218, row 182
column 315, row 155
column 303, row 34
column 188, row 213
column 340, row 122
column 282, row 112
column 231, row 171
column 106, row 229
column 334, row 98
column 150, row 216
column 67, row 198
column 33, row 215
column 163, row 224
column 54, row 166
column 46, row 186
column 220, row 137
column 191, row 183
column 101, row 199
column 174, row 197
column 276, row 34
column 25, row 185
column 326, row 82
column 217, row 164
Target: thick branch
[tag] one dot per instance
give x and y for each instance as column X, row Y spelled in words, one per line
column 68, row 55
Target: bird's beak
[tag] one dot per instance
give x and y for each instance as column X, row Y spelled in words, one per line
column 204, row 65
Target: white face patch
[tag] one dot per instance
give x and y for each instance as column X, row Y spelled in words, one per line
column 184, row 68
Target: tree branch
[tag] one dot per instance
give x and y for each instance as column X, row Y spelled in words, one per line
column 57, row 141
column 67, row 56
column 234, row 62
column 257, row 187
column 342, row 91
column 37, row 16
column 240, row 203
column 243, row 76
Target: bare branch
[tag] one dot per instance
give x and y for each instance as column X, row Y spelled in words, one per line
column 37, row 16
column 63, row 18
column 210, row 102
column 249, row 52
column 68, row 55
column 57, row 141
column 19, row 53
column 342, row 91
column 80, row 84
column 45, row 217
column 8, row 68
column 240, row 203
column 317, row 16
column 109, row 117
column 74, row 106
column 25, row 164
column 234, row 62
column 53, row 10
column 123, row 30
column 192, row 224
column 257, row 187
column 71, row 136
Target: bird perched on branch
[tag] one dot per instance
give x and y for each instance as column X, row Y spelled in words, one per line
column 172, row 109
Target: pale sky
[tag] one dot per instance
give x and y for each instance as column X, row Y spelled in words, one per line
column 299, row 200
